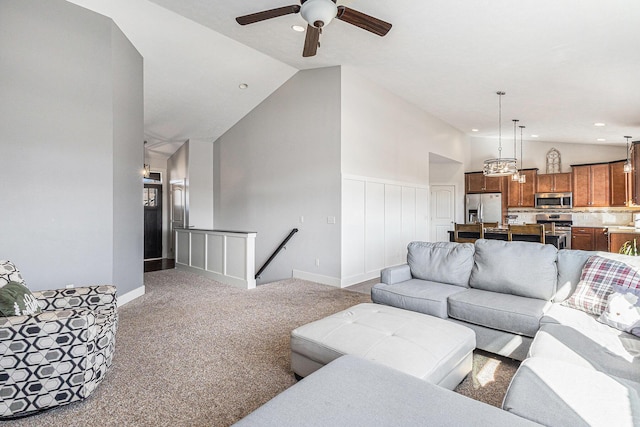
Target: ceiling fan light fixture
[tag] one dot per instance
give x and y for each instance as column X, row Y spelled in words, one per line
column 318, row 11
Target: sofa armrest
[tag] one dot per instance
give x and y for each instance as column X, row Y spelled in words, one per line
column 98, row 298
column 396, row 274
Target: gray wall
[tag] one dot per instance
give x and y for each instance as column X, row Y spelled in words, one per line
column 281, row 162
column 69, row 177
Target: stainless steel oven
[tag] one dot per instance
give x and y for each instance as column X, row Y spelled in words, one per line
column 554, row 200
column 558, row 223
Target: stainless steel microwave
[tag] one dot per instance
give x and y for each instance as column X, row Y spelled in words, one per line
column 554, row 200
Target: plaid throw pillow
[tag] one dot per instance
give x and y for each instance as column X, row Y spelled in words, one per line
column 600, row 278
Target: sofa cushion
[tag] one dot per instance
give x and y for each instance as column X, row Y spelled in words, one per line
column 599, row 277
column 556, row 393
column 352, row 391
column 17, row 300
column 505, row 312
column 576, row 337
column 444, row 262
column 570, row 265
column 518, row 268
column 418, row 295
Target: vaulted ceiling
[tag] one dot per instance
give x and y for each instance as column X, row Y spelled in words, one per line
column 564, row 65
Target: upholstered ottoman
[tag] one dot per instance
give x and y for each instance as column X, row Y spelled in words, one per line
column 426, row 347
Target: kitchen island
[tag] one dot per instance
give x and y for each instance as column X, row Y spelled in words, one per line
column 559, row 240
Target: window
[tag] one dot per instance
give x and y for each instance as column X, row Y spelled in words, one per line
column 150, row 197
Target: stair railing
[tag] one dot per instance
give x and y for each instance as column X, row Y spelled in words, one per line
column 275, row 253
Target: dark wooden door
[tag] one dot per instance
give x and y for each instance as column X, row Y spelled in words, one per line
column 152, row 199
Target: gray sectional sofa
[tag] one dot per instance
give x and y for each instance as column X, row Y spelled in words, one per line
column 576, row 370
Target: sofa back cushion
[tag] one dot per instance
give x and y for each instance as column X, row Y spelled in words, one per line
column 518, row 268
column 444, row 262
column 570, row 265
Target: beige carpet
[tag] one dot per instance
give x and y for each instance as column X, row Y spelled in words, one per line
column 193, row 352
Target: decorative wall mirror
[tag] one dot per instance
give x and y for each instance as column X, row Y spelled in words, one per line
column 554, row 161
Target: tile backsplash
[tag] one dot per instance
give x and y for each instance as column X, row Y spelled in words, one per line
column 581, row 217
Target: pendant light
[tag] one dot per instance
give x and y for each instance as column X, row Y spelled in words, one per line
column 523, row 177
column 500, row 166
column 516, row 176
column 146, row 171
column 627, row 165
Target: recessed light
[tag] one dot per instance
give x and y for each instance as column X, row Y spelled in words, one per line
column 243, row 85
column 534, row 136
column 474, row 130
column 599, row 124
column 298, row 28
column 601, row 140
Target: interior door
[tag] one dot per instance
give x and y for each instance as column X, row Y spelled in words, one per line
column 442, row 205
column 178, row 213
column 152, row 200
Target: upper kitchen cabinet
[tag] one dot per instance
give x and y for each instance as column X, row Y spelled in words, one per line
column 635, row 175
column 554, row 183
column 476, row 182
column 522, row 195
column 620, row 184
column 591, row 184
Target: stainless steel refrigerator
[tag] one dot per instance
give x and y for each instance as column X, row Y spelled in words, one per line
column 485, row 207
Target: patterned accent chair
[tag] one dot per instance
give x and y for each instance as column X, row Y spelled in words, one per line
column 60, row 355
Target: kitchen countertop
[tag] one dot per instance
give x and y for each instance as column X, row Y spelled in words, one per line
column 621, row 229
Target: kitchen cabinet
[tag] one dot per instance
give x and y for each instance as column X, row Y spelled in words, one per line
column 476, row 182
column 616, row 240
column 591, row 185
column 522, row 195
column 620, row 184
column 590, row 238
column 553, row 182
column 635, row 175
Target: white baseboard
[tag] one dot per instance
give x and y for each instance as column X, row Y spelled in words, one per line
column 130, row 296
column 353, row 280
column 318, row 278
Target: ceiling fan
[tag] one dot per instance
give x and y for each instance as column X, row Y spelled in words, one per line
column 318, row 13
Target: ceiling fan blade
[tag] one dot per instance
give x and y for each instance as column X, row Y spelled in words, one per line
column 267, row 14
column 311, row 41
column 364, row 21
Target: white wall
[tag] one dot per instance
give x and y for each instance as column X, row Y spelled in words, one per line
column 534, row 153
column 386, row 137
column 387, row 145
column 71, row 102
column 200, row 189
column 281, row 164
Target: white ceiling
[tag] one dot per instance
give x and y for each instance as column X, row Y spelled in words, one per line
column 564, row 65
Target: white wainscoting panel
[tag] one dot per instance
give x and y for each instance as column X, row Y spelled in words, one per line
column 393, row 224
column 379, row 219
column 353, row 221
column 374, row 227
column 225, row 256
